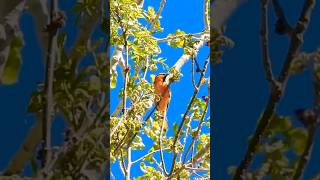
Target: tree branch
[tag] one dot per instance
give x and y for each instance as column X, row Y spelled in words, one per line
column 49, row 77
column 264, row 41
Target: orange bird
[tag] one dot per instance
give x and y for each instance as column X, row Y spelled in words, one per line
column 163, row 94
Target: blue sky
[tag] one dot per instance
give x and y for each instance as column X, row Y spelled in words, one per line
column 241, row 91
column 187, row 16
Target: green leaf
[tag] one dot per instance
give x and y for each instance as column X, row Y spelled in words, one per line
column 13, row 65
column 280, row 123
column 298, row 139
column 35, row 103
column 113, row 82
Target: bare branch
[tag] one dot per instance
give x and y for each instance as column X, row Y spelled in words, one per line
column 264, row 41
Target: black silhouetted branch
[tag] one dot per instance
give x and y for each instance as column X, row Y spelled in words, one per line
column 265, row 41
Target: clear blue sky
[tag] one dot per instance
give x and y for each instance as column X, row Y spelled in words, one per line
column 240, row 90
column 187, row 16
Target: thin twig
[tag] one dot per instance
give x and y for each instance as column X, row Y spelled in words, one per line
column 264, row 41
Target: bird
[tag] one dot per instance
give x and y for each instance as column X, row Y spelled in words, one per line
column 162, row 94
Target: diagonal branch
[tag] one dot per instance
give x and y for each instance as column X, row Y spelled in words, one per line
column 265, row 42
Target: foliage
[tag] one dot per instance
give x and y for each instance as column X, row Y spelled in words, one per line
column 133, row 28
